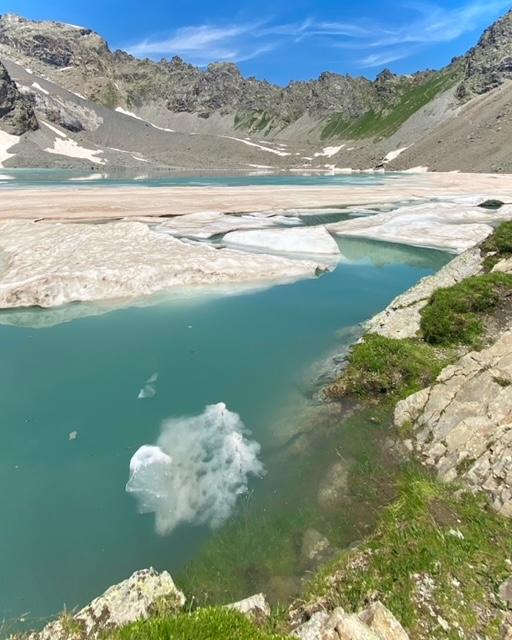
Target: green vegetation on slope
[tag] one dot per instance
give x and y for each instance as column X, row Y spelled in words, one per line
column 498, row 246
column 384, row 123
column 204, row 624
column 260, row 122
column 436, row 561
column 455, row 315
column 380, row 365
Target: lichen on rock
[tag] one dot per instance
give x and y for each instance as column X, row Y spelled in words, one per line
column 146, row 593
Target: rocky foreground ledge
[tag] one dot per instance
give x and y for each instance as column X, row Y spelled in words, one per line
column 148, row 594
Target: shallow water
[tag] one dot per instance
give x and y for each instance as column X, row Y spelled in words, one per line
column 72, row 419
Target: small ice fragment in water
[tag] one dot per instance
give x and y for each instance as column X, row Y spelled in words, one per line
column 196, row 471
column 149, row 388
column 147, row 391
column 73, row 435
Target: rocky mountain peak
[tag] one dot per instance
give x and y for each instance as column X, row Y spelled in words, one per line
column 53, row 43
column 489, row 63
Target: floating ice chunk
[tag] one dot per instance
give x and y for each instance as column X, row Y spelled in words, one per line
column 149, row 388
column 301, row 240
column 196, row 471
column 147, row 391
column 147, row 456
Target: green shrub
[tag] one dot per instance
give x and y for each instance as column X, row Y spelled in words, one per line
column 455, row 315
column 380, row 365
column 213, row 623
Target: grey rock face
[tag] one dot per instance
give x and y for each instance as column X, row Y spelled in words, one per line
column 69, row 115
column 53, row 43
column 489, row 63
column 16, row 113
column 462, row 424
column 144, row 594
column 374, row 623
column 505, row 591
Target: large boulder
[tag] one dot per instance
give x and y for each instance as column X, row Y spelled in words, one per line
column 144, row 594
column 16, row 113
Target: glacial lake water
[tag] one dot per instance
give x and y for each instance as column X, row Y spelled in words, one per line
column 71, row 420
column 23, row 178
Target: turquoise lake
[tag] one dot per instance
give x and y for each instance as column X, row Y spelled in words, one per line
column 23, row 178
column 72, row 418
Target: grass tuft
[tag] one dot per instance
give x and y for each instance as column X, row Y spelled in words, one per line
column 498, row 246
column 380, row 365
column 455, row 315
column 212, row 623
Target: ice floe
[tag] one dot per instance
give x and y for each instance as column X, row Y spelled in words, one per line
column 52, row 264
column 300, row 240
column 443, row 225
column 210, row 223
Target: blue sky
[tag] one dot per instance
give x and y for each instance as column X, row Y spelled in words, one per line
column 284, row 40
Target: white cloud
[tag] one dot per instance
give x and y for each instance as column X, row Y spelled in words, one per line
column 417, row 25
column 379, row 59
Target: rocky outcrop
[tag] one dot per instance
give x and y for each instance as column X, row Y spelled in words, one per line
column 374, row 623
column 16, row 113
column 401, row 319
column 144, row 594
column 69, row 115
column 462, row 425
column 489, row 64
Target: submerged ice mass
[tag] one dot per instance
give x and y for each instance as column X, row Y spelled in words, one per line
column 196, row 471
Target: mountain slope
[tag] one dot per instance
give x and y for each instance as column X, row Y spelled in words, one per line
column 81, row 60
column 174, row 115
